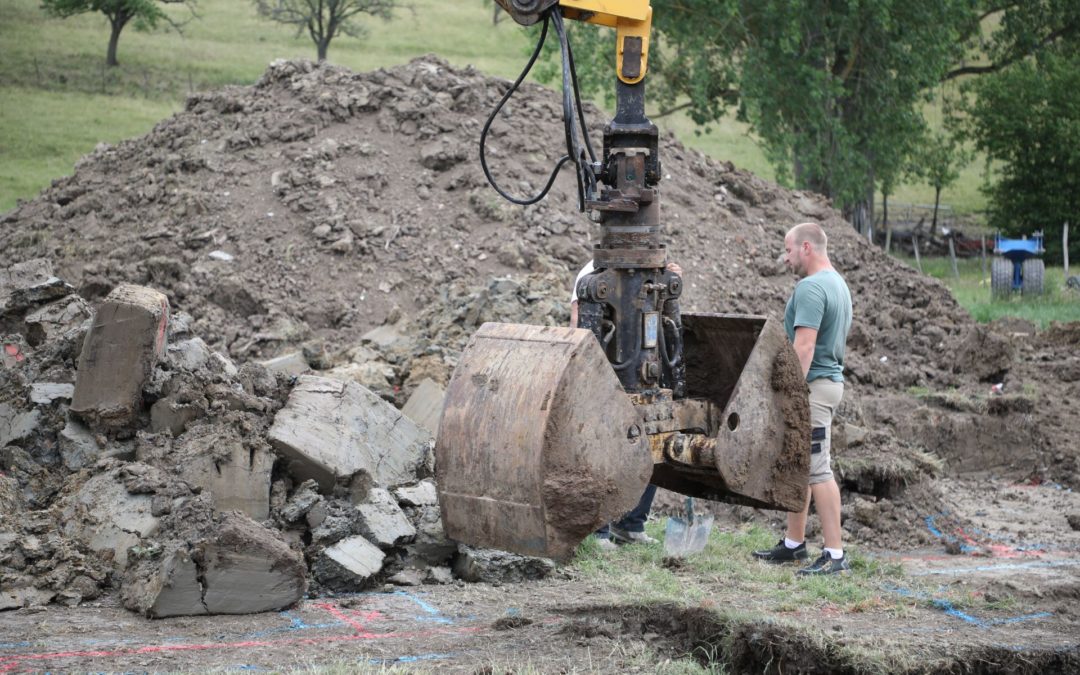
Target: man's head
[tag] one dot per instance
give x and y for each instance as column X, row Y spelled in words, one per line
column 805, row 249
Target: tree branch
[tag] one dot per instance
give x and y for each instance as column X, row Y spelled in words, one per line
column 994, row 67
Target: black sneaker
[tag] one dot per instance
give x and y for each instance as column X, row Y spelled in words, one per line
column 782, row 554
column 826, row 565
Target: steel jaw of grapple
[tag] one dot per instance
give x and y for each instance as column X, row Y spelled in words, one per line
column 538, row 444
column 742, row 435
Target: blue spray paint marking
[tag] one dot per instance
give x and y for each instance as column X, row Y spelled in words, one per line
column 1003, row 566
column 433, row 614
column 965, row 548
column 295, row 624
column 14, row 645
column 948, row 608
column 410, row 659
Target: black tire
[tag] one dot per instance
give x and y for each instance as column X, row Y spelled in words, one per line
column 1001, row 277
column 1033, row 272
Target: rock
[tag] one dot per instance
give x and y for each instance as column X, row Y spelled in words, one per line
column 301, row 502
column 29, row 283
column 335, row 431
column 57, row 318
column 407, row 577
column 292, row 363
column 236, row 567
column 421, row 494
column 108, row 519
column 44, row 393
column 124, row 343
column 425, row 405
column 189, row 355
column 439, row 575
column 348, row 565
column 78, row 447
column 373, row 375
column 382, row 522
column 430, row 545
column 490, row 566
column 384, row 336
column 16, row 425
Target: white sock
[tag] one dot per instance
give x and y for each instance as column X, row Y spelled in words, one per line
column 835, row 553
column 792, row 544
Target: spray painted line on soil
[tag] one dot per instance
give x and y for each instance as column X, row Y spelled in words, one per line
column 969, row 544
column 1034, row 564
column 352, row 619
column 948, row 608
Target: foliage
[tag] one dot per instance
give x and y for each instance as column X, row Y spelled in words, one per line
column 147, row 15
column 1027, row 118
column 937, row 160
column 325, row 19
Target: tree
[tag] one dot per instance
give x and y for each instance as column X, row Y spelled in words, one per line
column 147, row 15
column 325, row 19
column 937, row 161
column 1027, row 119
column 831, row 87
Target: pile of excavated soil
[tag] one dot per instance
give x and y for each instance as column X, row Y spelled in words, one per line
column 320, row 204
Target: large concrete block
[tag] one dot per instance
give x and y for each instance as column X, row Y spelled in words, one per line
column 126, row 339
column 349, row 564
column 425, row 405
column 168, row 586
column 335, row 431
column 491, row 566
column 381, row 520
column 106, row 518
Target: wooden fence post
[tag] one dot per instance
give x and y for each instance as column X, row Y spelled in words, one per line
column 915, row 245
column 982, row 241
column 952, row 257
column 888, row 237
column 1065, row 247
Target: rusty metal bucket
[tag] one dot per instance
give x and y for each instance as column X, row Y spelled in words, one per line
column 755, row 449
column 538, row 443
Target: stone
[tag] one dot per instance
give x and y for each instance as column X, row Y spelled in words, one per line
column 16, row 425
column 107, row 519
column 78, row 446
column 383, row 337
column 491, row 566
column 421, row 494
column 125, row 341
column 29, row 283
column 44, row 393
column 171, row 587
column 425, row 405
column 373, row 375
column 57, row 318
column 430, row 545
column 407, row 577
column 293, row 364
column 349, row 564
column 301, row 502
column 381, row 520
column 190, row 355
column 439, row 575
column 335, row 431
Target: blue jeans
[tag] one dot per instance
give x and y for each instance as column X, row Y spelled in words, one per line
column 635, row 520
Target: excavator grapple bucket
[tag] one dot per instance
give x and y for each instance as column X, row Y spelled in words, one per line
column 753, row 445
column 538, row 443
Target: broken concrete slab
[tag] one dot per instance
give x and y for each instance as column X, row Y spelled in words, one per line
column 44, row 393
column 189, row 355
column 303, row 499
column 439, row 575
column 348, row 565
column 293, row 364
column 423, row 493
column 381, row 520
column 174, row 415
column 407, row 577
column 430, row 546
column 57, row 318
column 335, row 431
column 78, row 445
column 384, row 336
column 104, row 516
column 373, row 375
column 491, row 566
column 15, row 424
column 235, row 567
column 425, row 405
column 125, row 340
column 29, row 283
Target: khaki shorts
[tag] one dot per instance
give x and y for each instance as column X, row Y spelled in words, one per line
column 825, row 395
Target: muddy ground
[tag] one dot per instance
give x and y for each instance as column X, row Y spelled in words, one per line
column 299, row 214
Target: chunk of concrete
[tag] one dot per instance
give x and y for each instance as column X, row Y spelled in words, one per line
column 421, row 494
column 44, row 393
column 29, row 283
column 384, row 336
column 190, row 355
column 430, row 546
column 293, row 364
column 236, row 567
column 173, row 415
column 491, row 566
column 16, row 425
column 381, row 520
column 78, row 446
column 335, row 431
column 57, row 318
column 107, row 519
column 349, row 564
column 126, row 339
column 425, row 405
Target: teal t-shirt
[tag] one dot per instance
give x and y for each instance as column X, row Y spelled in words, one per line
column 822, row 301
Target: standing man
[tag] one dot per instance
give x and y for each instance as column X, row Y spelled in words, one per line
column 817, row 320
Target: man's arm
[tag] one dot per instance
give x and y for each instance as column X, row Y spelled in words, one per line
column 573, row 313
column 805, row 339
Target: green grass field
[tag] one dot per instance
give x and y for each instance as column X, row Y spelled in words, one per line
column 57, row 100
column 972, row 290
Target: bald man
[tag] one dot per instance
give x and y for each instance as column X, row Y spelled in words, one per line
column 817, row 320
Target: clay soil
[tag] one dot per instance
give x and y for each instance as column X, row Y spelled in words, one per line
column 319, row 204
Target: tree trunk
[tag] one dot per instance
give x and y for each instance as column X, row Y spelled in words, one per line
column 323, row 46
column 885, row 220
column 937, row 201
column 117, row 22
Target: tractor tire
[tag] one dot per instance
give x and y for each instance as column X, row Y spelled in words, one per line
column 1033, row 272
column 1001, row 277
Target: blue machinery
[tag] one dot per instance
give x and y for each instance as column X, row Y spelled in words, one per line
column 1016, row 266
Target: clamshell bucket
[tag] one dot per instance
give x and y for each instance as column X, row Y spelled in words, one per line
column 538, row 444
column 753, row 444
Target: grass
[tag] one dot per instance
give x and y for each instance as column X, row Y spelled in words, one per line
column 972, row 290
column 52, row 78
